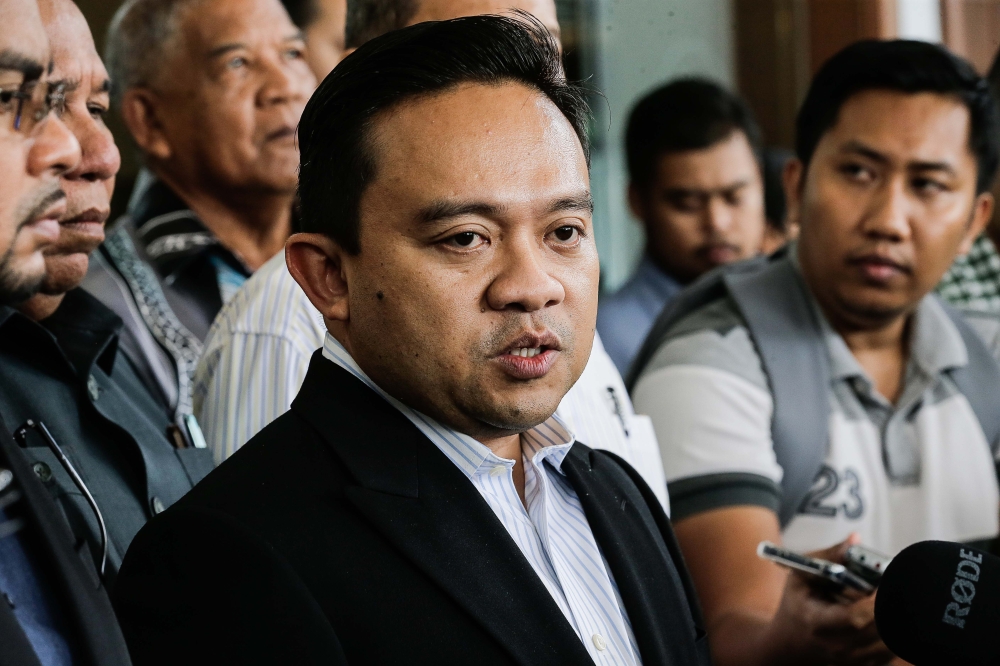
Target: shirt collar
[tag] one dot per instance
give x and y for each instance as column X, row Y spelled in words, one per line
column 171, row 233
column 552, row 439
column 83, row 328
column 661, row 283
column 936, row 345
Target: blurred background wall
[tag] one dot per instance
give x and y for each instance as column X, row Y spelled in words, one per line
column 765, row 49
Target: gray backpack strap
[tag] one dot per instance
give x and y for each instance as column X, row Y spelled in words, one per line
column 706, row 289
column 772, row 299
column 784, row 329
column 979, row 381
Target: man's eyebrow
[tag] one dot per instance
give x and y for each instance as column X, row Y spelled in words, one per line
column 445, row 210
column 18, row 62
column 876, row 156
column 579, row 202
column 677, row 192
column 222, row 49
column 104, row 87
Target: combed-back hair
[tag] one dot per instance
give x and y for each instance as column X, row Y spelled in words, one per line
column 368, row 19
column 686, row 114
column 302, row 12
column 337, row 158
column 904, row 66
column 138, row 37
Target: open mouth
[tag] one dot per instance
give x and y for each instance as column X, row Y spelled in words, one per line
column 530, row 356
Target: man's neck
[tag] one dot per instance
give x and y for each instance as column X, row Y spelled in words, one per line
column 253, row 226
column 41, row 306
column 509, row 447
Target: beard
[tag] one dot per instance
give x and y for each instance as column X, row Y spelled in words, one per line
column 15, row 286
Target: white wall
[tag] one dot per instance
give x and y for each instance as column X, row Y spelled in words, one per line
column 640, row 44
column 919, row 19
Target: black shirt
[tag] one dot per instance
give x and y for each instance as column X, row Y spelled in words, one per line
column 67, row 372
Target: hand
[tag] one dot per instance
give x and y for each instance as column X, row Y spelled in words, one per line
column 819, row 624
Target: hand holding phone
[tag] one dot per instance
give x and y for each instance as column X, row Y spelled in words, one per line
column 862, row 572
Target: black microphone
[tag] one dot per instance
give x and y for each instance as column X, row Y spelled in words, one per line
column 939, row 603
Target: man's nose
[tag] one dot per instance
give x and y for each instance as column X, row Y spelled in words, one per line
column 888, row 217
column 55, row 150
column 718, row 216
column 100, row 156
column 524, row 282
column 283, row 83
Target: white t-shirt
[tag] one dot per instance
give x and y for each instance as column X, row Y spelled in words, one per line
column 921, row 469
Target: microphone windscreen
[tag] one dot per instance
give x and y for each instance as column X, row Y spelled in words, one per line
column 939, row 603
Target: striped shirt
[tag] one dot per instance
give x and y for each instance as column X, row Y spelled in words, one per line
column 258, row 350
column 552, row 531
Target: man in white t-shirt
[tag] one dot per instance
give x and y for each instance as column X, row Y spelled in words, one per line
column 896, row 153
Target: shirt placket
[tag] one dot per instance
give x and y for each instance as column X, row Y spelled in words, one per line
column 597, row 636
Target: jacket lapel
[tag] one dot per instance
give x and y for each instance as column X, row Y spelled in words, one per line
column 644, row 560
column 418, row 500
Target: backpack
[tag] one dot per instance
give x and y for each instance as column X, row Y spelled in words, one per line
column 772, row 298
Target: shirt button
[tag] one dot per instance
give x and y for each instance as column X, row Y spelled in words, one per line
column 498, row 470
column 93, row 388
column 599, row 642
column 157, row 505
column 42, row 471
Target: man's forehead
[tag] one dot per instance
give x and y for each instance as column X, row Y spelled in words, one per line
column 74, row 54
column 22, row 41
column 924, row 126
column 213, row 23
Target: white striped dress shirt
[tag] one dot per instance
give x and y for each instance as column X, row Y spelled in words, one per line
column 552, row 532
column 258, row 350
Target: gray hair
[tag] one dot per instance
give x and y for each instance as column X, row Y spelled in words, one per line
column 138, row 37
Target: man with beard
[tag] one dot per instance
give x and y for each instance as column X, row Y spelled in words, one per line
column 62, row 370
column 420, row 503
column 53, row 610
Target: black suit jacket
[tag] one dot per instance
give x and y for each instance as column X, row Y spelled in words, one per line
column 341, row 535
column 68, row 567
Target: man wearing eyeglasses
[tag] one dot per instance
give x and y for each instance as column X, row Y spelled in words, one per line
column 62, row 364
column 52, row 608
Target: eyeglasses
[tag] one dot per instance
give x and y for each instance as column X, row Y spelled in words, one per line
column 30, row 104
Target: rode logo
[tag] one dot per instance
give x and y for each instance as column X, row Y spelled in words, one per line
column 963, row 590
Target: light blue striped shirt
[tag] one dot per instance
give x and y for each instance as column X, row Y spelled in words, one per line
column 552, row 532
column 258, row 350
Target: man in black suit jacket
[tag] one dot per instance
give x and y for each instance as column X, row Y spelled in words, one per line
column 420, row 503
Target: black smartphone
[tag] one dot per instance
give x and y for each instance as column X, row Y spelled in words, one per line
column 830, row 571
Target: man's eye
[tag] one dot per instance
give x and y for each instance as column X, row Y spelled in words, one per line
column 294, row 54
column 566, row 234
column 927, row 186
column 97, row 111
column 465, row 240
column 857, row 172
column 237, row 62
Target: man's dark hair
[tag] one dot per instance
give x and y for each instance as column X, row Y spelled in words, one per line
column 302, row 12
column 368, row 19
column 687, row 114
column 909, row 67
column 336, row 152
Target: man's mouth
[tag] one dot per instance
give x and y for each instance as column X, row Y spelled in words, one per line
column 720, row 253
column 284, row 133
column 878, row 268
column 530, row 356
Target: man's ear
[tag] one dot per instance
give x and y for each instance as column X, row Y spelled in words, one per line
column 316, row 263
column 981, row 214
column 791, row 179
column 140, row 112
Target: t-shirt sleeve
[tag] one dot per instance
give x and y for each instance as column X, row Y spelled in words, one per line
column 711, row 410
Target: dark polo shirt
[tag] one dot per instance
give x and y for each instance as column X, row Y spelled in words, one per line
column 68, row 373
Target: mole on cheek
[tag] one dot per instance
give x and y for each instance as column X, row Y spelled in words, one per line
column 379, row 295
